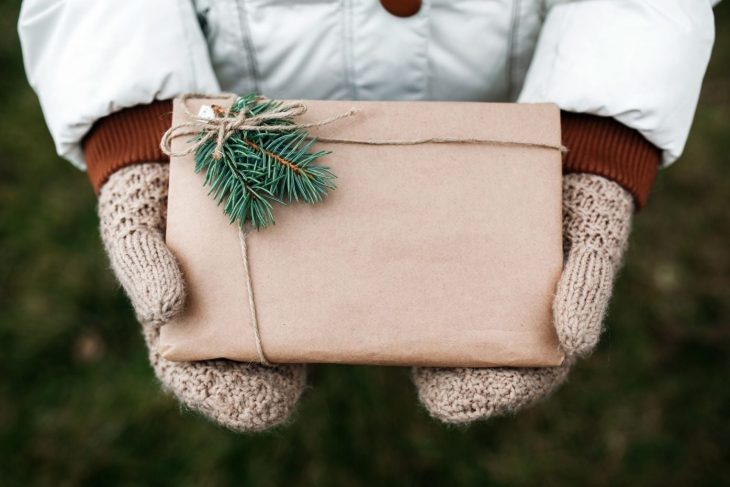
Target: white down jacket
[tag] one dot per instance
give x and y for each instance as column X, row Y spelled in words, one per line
column 640, row 61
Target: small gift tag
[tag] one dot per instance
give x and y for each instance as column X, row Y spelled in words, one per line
column 206, row 112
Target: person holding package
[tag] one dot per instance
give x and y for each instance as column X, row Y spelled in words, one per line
column 626, row 74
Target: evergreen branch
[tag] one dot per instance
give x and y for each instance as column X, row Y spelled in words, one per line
column 277, row 158
column 258, row 168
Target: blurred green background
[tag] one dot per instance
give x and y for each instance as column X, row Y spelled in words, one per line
column 79, row 404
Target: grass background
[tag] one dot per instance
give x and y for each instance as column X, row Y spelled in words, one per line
column 80, row 406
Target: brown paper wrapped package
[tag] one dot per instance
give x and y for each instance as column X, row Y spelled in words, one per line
column 439, row 254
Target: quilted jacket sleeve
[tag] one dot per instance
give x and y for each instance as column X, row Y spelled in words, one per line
column 638, row 61
column 87, row 59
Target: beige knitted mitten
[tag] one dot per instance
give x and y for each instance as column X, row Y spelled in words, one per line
column 596, row 225
column 132, row 215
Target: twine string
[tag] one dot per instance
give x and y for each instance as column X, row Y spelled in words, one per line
column 251, row 302
column 222, row 127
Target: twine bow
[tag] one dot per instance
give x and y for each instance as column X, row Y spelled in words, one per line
column 221, row 127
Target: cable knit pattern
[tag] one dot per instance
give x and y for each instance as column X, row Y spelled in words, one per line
column 239, row 396
column 466, row 395
column 596, row 224
column 242, row 397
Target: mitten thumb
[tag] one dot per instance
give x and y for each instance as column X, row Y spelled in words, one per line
column 596, row 226
column 132, row 215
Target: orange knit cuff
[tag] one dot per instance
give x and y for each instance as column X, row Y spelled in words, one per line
column 127, row 137
column 603, row 146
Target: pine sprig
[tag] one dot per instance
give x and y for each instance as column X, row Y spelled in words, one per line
column 258, row 168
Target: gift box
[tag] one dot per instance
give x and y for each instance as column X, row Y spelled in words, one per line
column 440, row 246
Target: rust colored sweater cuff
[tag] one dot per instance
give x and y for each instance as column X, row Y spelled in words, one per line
column 603, row 146
column 127, row 137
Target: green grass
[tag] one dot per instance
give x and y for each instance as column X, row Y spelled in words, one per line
column 79, row 404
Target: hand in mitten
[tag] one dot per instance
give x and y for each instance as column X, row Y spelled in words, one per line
column 132, row 214
column 596, row 224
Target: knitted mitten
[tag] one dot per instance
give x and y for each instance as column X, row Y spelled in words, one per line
column 596, row 224
column 132, row 214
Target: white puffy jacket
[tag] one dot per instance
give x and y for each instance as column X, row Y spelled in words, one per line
column 639, row 61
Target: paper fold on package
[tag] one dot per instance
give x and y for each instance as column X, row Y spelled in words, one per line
column 438, row 254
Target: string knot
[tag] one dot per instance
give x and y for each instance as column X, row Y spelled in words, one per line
column 224, row 124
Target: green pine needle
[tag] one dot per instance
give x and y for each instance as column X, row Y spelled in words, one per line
column 259, row 168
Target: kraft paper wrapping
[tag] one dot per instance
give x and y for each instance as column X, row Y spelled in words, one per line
column 434, row 255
